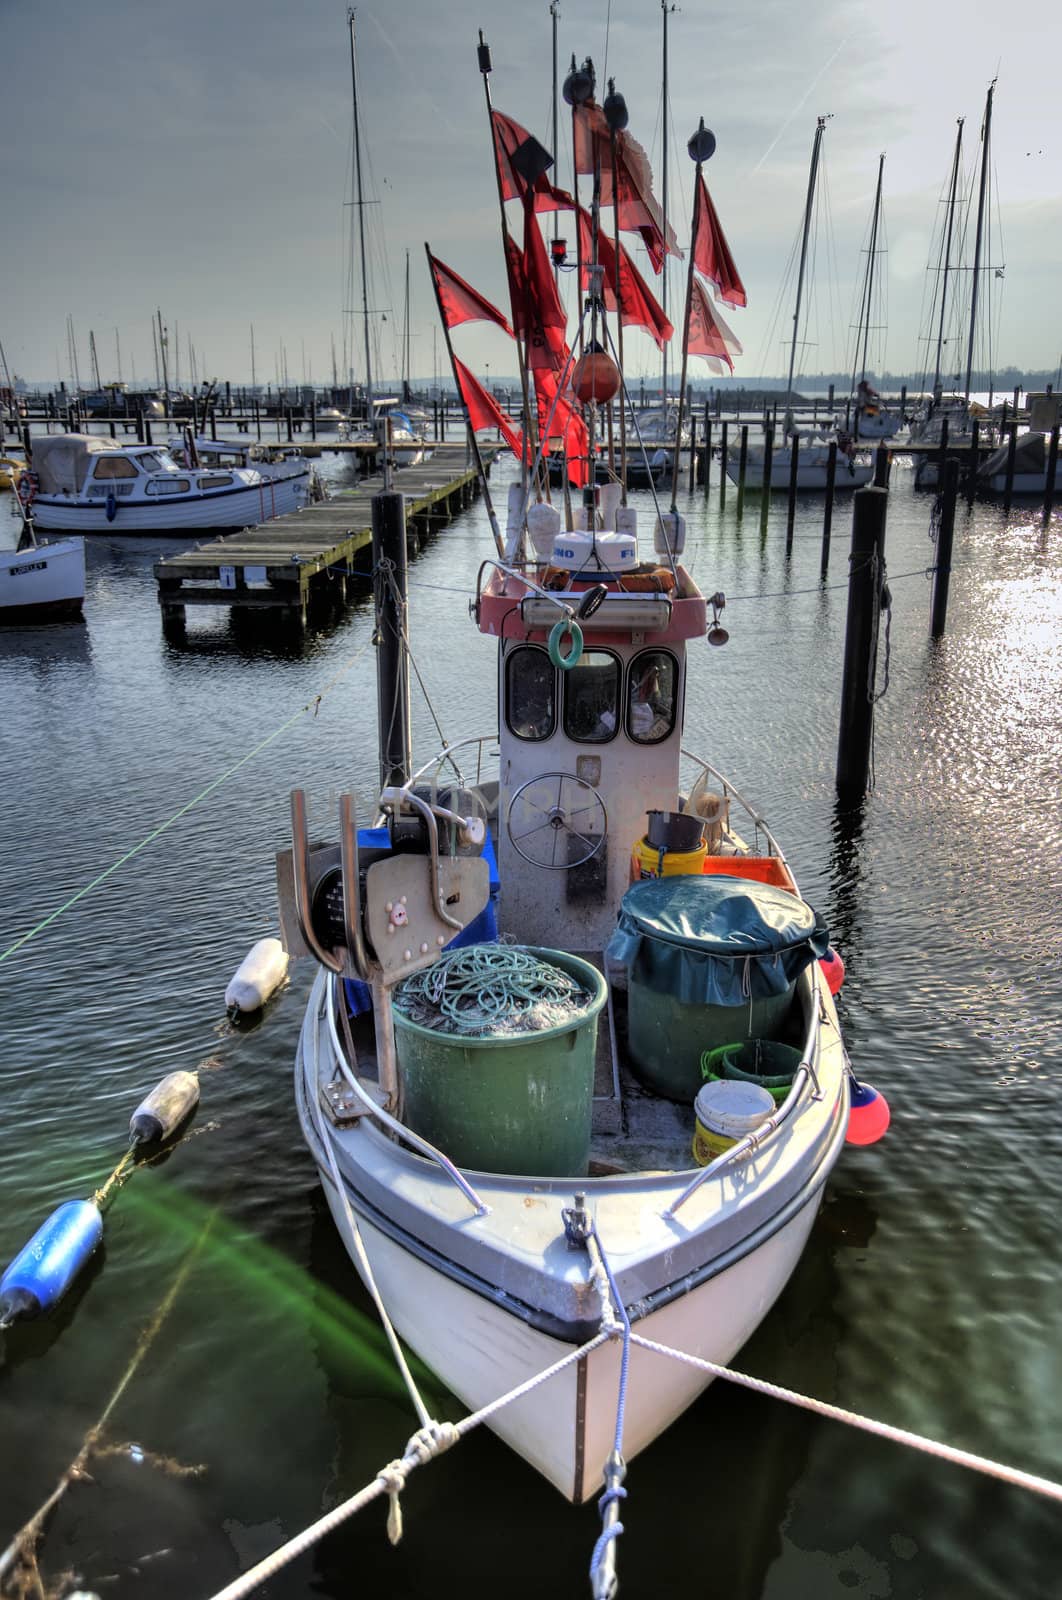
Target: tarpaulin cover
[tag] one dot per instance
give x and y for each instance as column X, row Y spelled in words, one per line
column 716, row 940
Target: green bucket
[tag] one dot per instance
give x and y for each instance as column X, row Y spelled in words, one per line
column 761, row 1061
column 514, row 1103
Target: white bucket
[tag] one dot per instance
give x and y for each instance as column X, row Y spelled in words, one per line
column 726, row 1111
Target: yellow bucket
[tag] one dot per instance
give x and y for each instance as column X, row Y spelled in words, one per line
column 646, row 861
column 726, row 1109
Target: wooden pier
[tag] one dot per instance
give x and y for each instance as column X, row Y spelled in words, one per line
column 316, row 554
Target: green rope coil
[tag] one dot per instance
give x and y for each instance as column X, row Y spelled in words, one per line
column 566, row 626
column 483, row 989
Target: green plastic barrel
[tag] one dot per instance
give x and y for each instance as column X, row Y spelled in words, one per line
column 668, row 1037
column 764, row 1061
column 517, row 1103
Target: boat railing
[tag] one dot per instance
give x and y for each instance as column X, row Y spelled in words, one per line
column 804, row 1077
column 384, row 1118
column 446, row 754
column 729, row 792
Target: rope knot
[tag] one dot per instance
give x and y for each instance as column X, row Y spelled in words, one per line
column 432, row 1440
column 393, row 1478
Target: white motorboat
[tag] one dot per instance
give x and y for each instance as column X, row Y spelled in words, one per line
column 281, row 464
column 89, row 484
column 852, row 468
column 39, row 579
column 1032, row 461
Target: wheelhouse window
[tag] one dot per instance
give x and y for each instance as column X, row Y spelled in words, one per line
column 591, row 698
column 219, row 480
column 530, row 693
column 652, row 683
column 169, row 486
column 114, row 467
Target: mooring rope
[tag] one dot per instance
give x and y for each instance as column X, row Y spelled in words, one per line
column 86, row 889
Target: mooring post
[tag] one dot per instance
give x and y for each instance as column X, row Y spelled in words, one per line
column 1052, row 466
column 147, row 430
column 257, row 420
column 942, row 450
column 213, row 423
column 1017, row 398
column 706, row 480
column 945, row 536
column 866, row 571
column 313, row 417
column 723, row 430
column 768, row 457
column 829, row 402
column 1012, row 448
column 903, row 401
column 112, row 428
column 881, row 467
column 289, row 420
column 974, row 461
column 790, row 516
column 390, row 567
column 743, row 461
column 693, row 453
column 827, row 514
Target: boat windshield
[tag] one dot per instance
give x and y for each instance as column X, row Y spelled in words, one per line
column 156, row 461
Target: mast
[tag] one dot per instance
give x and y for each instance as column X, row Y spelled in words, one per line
column 162, row 358
column 808, row 209
column 407, row 393
column 665, row 8
column 361, row 220
column 953, row 192
column 867, row 299
column 986, row 135
column 554, row 11
column 95, row 360
column 254, row 379
column 701, row 148
column 118, row 354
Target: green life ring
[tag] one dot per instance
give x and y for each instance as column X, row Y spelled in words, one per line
column 566, row 625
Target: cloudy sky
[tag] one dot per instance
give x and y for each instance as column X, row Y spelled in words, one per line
column 197, row 156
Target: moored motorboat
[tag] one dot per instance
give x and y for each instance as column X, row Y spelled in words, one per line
column 39, row 579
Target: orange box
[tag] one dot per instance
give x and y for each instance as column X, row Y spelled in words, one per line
column 764, row 869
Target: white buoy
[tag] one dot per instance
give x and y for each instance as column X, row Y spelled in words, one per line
column 165, row 1108
column 669, row 533
column 261, row 972
column 543, row 525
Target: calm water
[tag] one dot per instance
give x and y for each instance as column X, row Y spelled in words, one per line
column 929, row 1295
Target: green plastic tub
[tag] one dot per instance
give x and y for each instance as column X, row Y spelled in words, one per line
column 518, row 1104
column 766, row 1062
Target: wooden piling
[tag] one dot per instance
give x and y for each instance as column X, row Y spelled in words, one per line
column 973, row 462
column 313, row 418
column 693, row 453
column 829, row 401
column 724, row 428
column 942, row 451
column 903, row 401
column 147, row 430
column 865, row 582
column 827, row 513
column 1052, row 466
column 707, row 451
column 790, row 516
column 881, row 467
column 765, row 498
column 945, row 534
column 289, row 421
column 389, row 564
column 743, row 462
column 1012, row 447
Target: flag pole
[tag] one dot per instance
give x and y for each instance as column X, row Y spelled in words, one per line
column 701, row 147
column 495, row 530
column 615, row 109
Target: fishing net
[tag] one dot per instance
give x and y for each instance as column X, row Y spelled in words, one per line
column 486, row 990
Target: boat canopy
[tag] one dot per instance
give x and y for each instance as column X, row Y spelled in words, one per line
column 1030, row 455
column 61, row 460
column 716, row 940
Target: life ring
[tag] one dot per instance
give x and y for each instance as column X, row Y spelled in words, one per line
column 26, row 489
column 566, row 626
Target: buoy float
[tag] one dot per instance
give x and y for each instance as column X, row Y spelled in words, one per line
column 833, row 968
column 869, row 1115
column 165, row 1108
column 45, row 1268
column 260, row 973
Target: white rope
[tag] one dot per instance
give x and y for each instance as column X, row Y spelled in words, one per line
column 424, row 1446
column 883, row 1430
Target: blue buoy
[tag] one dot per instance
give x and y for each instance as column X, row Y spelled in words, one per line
column 45, row 1268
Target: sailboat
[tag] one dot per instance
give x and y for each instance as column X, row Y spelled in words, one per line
column 506, row 1132
column 853, row 468
column 871, row 418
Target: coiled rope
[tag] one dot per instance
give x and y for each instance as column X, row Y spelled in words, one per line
column 478, row 990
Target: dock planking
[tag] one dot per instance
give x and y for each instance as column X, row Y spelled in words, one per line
column 291, row 561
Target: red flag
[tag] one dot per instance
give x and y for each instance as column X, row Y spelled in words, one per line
column 508, row 138
column 711, row 253
column 567, row 429
column 709, row 335
column 632, row 194
column 639, row 308
column 460, row 302
column 538, row 315
column 484, row 411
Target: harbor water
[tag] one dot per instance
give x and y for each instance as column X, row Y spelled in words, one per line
column 261, row 1391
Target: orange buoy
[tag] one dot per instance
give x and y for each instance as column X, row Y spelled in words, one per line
column 596, row 377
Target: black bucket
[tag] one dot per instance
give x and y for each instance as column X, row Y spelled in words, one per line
column 675, row 830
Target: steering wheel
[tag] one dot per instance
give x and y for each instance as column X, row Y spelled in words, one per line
column 548, row 813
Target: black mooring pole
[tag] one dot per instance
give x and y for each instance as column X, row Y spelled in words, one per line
column 949, row 493
column 865, row 581
column 392, row 671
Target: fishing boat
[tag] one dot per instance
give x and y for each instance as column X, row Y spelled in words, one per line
column 851, row 467
column 90, row 484
column 39, row 579
column 507, row 1136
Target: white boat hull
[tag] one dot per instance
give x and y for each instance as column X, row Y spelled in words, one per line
column 565, row 1428
column 240, row 508
column 811, row 474
column 43, row 581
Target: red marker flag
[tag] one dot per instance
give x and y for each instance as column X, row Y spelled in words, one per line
column 509, row 139
column 484, row 411
column 567, row 429
column 632, row 193
column 638, row 308
column 460, row 302
column 538, row 315
column 711, row 253
column 709, row 335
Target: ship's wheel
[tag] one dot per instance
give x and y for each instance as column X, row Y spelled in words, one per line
column 557, row 821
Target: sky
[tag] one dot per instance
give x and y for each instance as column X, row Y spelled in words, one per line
column 197, row 158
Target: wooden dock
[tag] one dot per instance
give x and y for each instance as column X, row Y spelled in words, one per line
column 317, row 554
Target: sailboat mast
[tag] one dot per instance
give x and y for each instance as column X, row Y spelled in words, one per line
column 868, row 284
column 407, row 392
column 665, row 8
column 952, row 195
column 808, row 209
column 361, row 220
column 986, row 134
